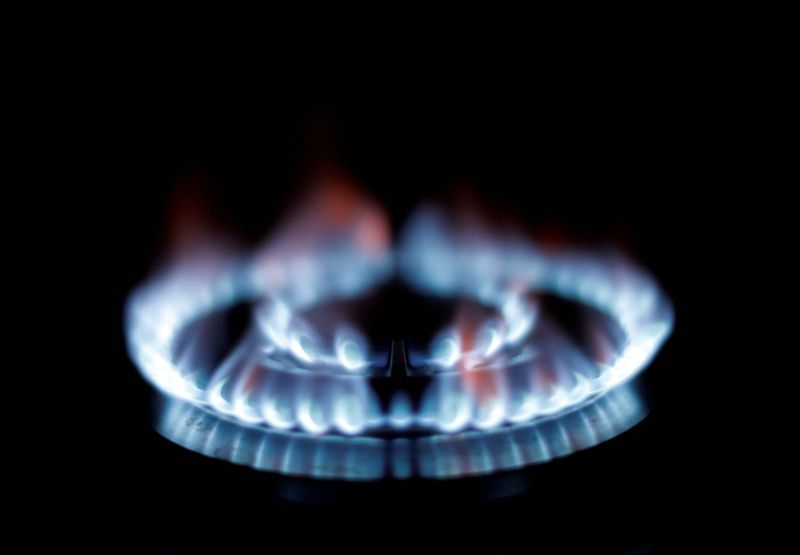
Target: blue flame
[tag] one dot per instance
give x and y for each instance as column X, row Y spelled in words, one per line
column 440, row 456
column 286, row 376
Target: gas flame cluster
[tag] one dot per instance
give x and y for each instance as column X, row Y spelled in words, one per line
column 438, row 456
column 510, row 368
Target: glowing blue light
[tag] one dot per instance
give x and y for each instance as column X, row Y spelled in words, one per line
column 286, row 376
column 368, row 458
column 400, row 411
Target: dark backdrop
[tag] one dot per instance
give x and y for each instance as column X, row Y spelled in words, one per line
column 604, row 136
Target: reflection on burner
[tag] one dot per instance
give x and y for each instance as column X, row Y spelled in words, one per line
column 372, row 458
column 491, row 353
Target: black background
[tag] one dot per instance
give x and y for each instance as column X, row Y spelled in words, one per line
column 614, row 134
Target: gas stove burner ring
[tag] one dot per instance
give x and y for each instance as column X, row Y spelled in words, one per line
column 252, row 388
column 439, row 456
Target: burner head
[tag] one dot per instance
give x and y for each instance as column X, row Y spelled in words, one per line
column 445, row 355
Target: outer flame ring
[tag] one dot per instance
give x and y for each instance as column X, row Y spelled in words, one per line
column 158, row 312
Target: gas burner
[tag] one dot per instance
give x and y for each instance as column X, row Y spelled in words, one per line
column 332, row 353
column 434, row 456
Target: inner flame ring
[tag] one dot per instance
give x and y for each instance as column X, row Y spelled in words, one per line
column 283, row 331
